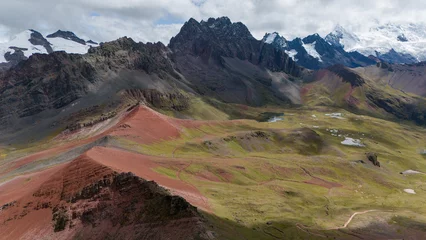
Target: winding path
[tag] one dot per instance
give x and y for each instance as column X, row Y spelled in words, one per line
column 307, row 229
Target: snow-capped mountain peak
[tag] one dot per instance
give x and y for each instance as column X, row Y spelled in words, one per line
column 314, row 52
column 406, row 43
column 275, row 38
column 342, row 38
column 24, row 44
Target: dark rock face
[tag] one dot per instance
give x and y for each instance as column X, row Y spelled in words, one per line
column 395, row 57
column 170, row 101
column 372, row 157
column 45, row 82
column 38, row 39
column 402, row 38
column 129, row 202
column 330, row 54
column 223, row 60
column 216, row 39
column 347, row 75
column 151, row 57
column 400, row 108
column 91, row 42
column 15, row 57
column 67, row 35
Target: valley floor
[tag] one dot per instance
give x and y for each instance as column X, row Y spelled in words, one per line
column 307, row 175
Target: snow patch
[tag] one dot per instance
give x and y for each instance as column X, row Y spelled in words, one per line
column 292, row 53
column 310, row 48
column 271, row 37
column 410, row 191
column 335, row 115
column 352, row 142
column 408, row 172
column 275, row 119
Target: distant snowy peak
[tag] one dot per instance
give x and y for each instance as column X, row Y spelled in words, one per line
column 24, row 44
column 314, row 52
column 342, row 38
column 67, row 35
column 275, row 38
column 397, row 43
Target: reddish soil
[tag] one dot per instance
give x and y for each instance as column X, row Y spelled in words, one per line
column 322, row 183
column 142, row 165
column 208, row 176
column 227, row 176
column 96, row 202
column 147, row 126
column 23, row 185
column 35, row 225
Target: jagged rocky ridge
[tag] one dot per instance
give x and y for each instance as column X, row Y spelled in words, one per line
column 88, row 199
column 314, row 52
column 234, row 67
column 214, row 59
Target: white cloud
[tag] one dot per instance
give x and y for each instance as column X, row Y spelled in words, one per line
column 159, row 20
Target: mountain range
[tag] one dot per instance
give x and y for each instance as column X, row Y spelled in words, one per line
column 217, row 135
column 392, row 43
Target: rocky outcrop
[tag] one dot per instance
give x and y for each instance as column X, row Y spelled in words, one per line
column 79, row 125
column 166, row 101
column 45, row 82
column 38, row 39
column 372, row 157
column 215, row 39
column 15, row 57
column 66, row 35
column 92, row 42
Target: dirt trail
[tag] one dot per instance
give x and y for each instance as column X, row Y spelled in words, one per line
column 353, row 215
column 309, row 229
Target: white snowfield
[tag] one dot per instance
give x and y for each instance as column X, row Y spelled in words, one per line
column 310, row 49
column 61, row 44
column 292, row 53
column 384, row 38
column 21, row 40
column 270, row 38
column 352, row 142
